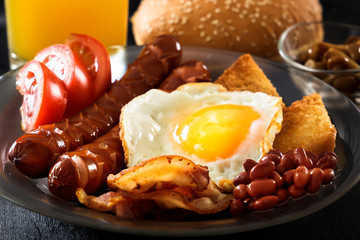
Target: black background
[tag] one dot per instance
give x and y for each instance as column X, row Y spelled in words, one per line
column 340, row 220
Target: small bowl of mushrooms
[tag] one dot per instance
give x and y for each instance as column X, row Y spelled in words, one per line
column 330, row 51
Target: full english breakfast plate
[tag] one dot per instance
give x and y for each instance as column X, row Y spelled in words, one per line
column 291, row 85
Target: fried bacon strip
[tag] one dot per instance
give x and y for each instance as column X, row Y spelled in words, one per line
column 115, row 203
column 165, row 172
column 170, row 182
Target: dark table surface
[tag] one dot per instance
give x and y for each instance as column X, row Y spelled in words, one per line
column 340, row 220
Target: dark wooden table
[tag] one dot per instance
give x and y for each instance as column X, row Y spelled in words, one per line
column 340, row 220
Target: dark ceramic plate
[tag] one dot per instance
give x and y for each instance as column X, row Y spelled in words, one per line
column 291, row 85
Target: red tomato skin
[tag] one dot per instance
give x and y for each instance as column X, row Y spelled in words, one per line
column 60, row 59
column 81, row 93
column 95, row 57
column 46, row 94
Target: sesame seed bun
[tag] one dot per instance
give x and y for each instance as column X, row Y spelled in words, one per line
column 241, row 25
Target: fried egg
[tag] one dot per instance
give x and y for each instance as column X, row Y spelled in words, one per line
column 202, row 122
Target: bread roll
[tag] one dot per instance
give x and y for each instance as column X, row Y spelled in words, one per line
column 248, row 26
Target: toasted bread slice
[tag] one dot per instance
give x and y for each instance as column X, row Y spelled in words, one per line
column 306, row 124
column 245, row 74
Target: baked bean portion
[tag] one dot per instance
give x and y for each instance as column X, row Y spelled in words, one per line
column 279, row 176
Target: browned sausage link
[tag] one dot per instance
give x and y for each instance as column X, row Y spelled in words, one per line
column 87, row 167
column 35, row 152
column 187, row 72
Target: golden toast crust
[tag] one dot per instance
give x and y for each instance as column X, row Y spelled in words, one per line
column 245, row 74
column 306, row 124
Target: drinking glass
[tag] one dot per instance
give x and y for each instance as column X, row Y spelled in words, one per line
column 35, row 24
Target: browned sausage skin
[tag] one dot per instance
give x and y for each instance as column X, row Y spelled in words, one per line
column 88, row 166
column 188, row 72
column 35, row 152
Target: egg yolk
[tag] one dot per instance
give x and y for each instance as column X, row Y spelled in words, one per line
column 215, row 132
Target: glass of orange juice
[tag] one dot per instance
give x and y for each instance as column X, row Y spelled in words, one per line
column 36, row 24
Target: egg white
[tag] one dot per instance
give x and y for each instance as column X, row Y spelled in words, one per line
column 147, row 125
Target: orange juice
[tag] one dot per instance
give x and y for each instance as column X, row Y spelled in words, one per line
column 35, row 24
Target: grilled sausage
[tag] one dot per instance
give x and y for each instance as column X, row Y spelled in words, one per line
column 188, row 72
column 88, row 166
column 35, row 152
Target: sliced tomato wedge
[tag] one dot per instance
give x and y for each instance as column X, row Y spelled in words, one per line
column 95, row 57
column 60, row 59
column 44, row 95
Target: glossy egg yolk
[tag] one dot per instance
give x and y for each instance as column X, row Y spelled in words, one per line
column 215, row 132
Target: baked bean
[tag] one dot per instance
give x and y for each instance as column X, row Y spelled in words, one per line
column 237, row 207
column 301, row 158
column 313, row 156
column 261, row 187
column 327, row 161
column 262, row 170
column 328, row 153
column 240, row 192
column 249, row 204
column 287, row 161
column 271, row 157
column 329, row 175
column 276, row 152
column 280, row 169
column 265, row 203
column 282, row 194
column 249, row 164
column 334, row 156
column 242, row 178
column 288, row 176
column 301, row 176
column 296, row 192
column 277, row 178
column 316, row 176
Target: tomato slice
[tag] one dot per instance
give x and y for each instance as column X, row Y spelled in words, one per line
column 44, row 95
column 95, row 57
column 60, row 59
